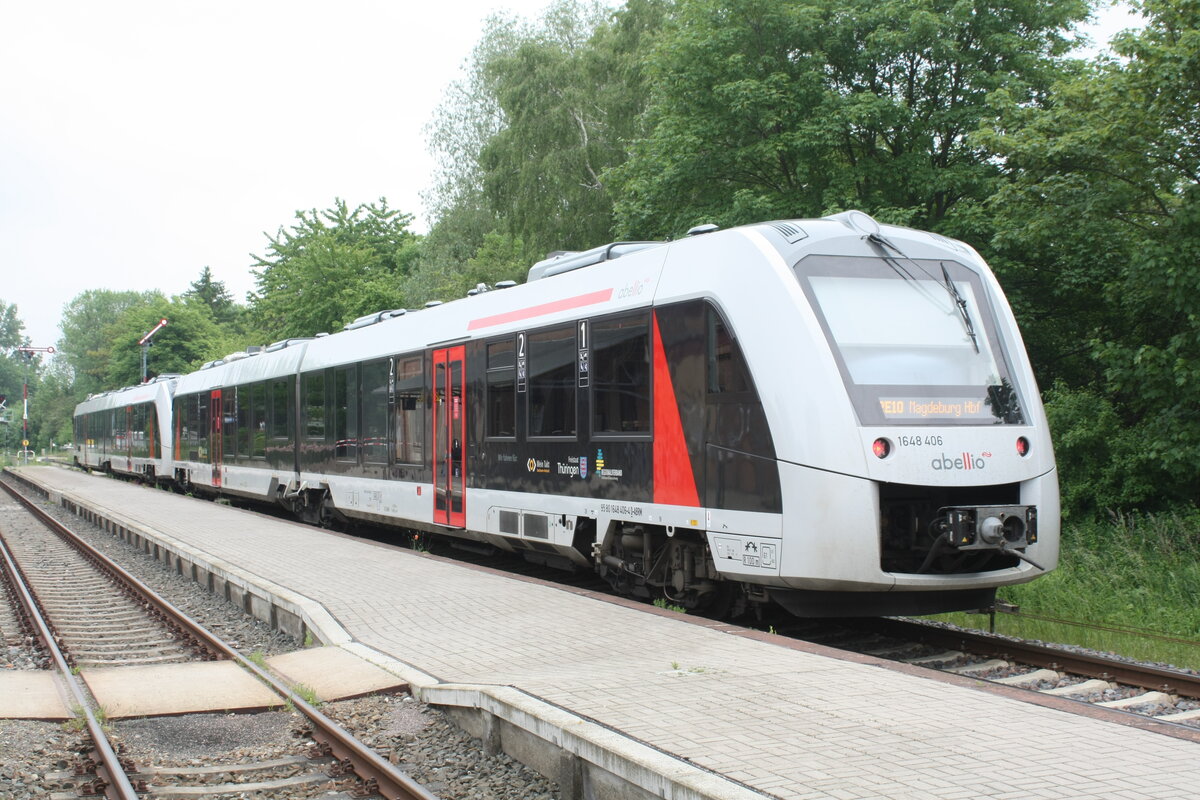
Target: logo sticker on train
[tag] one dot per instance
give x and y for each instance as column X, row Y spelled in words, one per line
column 607, row 473
column 573, row 467
column 962, row 461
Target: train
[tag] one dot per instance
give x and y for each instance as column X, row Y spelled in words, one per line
column 833, row 415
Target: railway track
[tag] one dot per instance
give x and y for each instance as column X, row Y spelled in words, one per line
column 1168, row 697
column 347, row 764
column 1158, row 693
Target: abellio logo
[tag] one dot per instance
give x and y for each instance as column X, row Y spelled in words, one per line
column 965, row 461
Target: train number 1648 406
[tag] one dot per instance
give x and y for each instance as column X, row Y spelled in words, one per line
column 919, row 441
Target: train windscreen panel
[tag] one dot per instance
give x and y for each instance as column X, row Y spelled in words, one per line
column 915, row 342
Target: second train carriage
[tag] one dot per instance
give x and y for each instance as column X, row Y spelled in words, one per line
column 127, row 431
column 828, row 413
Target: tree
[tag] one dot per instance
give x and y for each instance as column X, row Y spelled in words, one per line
column 190, row 338
column 12, row 372
column 52, row 410
column 763, row 109
column 1105, row 191
column 331, row 267
column 84, row 343
column 545, row 110
column 214, row 295
column 499, row 258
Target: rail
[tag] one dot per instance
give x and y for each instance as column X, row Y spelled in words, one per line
column 111, row 777
column 378, row 775
column 1144, row 676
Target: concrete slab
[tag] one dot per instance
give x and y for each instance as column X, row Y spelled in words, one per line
column 31, row 694
column 177, row 689
column 333, row 673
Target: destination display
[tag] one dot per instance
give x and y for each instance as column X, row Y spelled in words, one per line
column 922, row 408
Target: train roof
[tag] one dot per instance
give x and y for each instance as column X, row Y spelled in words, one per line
column 154, row 389
column 560, row 288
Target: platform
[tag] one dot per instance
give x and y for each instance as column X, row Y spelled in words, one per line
column 680, row 707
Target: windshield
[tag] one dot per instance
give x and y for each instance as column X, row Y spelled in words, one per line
column 913, row 341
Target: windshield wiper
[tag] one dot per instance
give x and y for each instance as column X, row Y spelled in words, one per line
column 963, row 313
column 885, row 244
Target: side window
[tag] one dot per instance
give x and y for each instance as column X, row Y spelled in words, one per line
column 410, row 410
column 203, row 426
column 232, row 445
column 312, row 396
column 552, row 382
column 620, row 375
column 726, row 369
column 257, row 420
column 345, row 413
column 375, row 377
column 279, row 409
column 118, row 429
column 501, row 389
column 245, row 420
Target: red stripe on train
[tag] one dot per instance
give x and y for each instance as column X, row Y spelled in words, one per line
column 674, row 481
column 579, row 301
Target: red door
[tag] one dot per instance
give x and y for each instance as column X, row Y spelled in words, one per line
column 449, row 438
column 215, row 411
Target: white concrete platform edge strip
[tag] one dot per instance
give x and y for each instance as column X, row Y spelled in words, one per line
column 659, row 773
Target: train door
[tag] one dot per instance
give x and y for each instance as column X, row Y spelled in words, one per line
column 215, row 442
column 449, row 437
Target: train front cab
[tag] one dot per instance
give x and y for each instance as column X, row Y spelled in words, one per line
column 955, row 470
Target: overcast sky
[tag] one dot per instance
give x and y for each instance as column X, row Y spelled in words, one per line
column 142, row 140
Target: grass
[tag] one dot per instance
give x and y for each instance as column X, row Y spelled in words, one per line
column 307, row 694
column 1140, row 573
column 662, row 602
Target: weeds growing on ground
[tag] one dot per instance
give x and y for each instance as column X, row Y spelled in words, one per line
column 662, row 602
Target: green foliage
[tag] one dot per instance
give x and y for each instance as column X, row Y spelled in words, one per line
column 662, row 602
column 546, row 109
column 52, row 408
column 1102, row 464
column 216, row 297
column 190, row 338
column 1138, row 571
column 500, row 257
column 13, row 369
column 1100, row 226
column 85, row 344
column 761, row 109
column 331, row 267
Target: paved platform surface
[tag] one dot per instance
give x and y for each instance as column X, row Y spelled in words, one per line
column 778, row 721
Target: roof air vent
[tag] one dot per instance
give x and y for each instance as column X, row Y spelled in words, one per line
column 707, row 227
column 791, row 232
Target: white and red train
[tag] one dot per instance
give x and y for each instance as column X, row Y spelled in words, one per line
column 831, row 414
